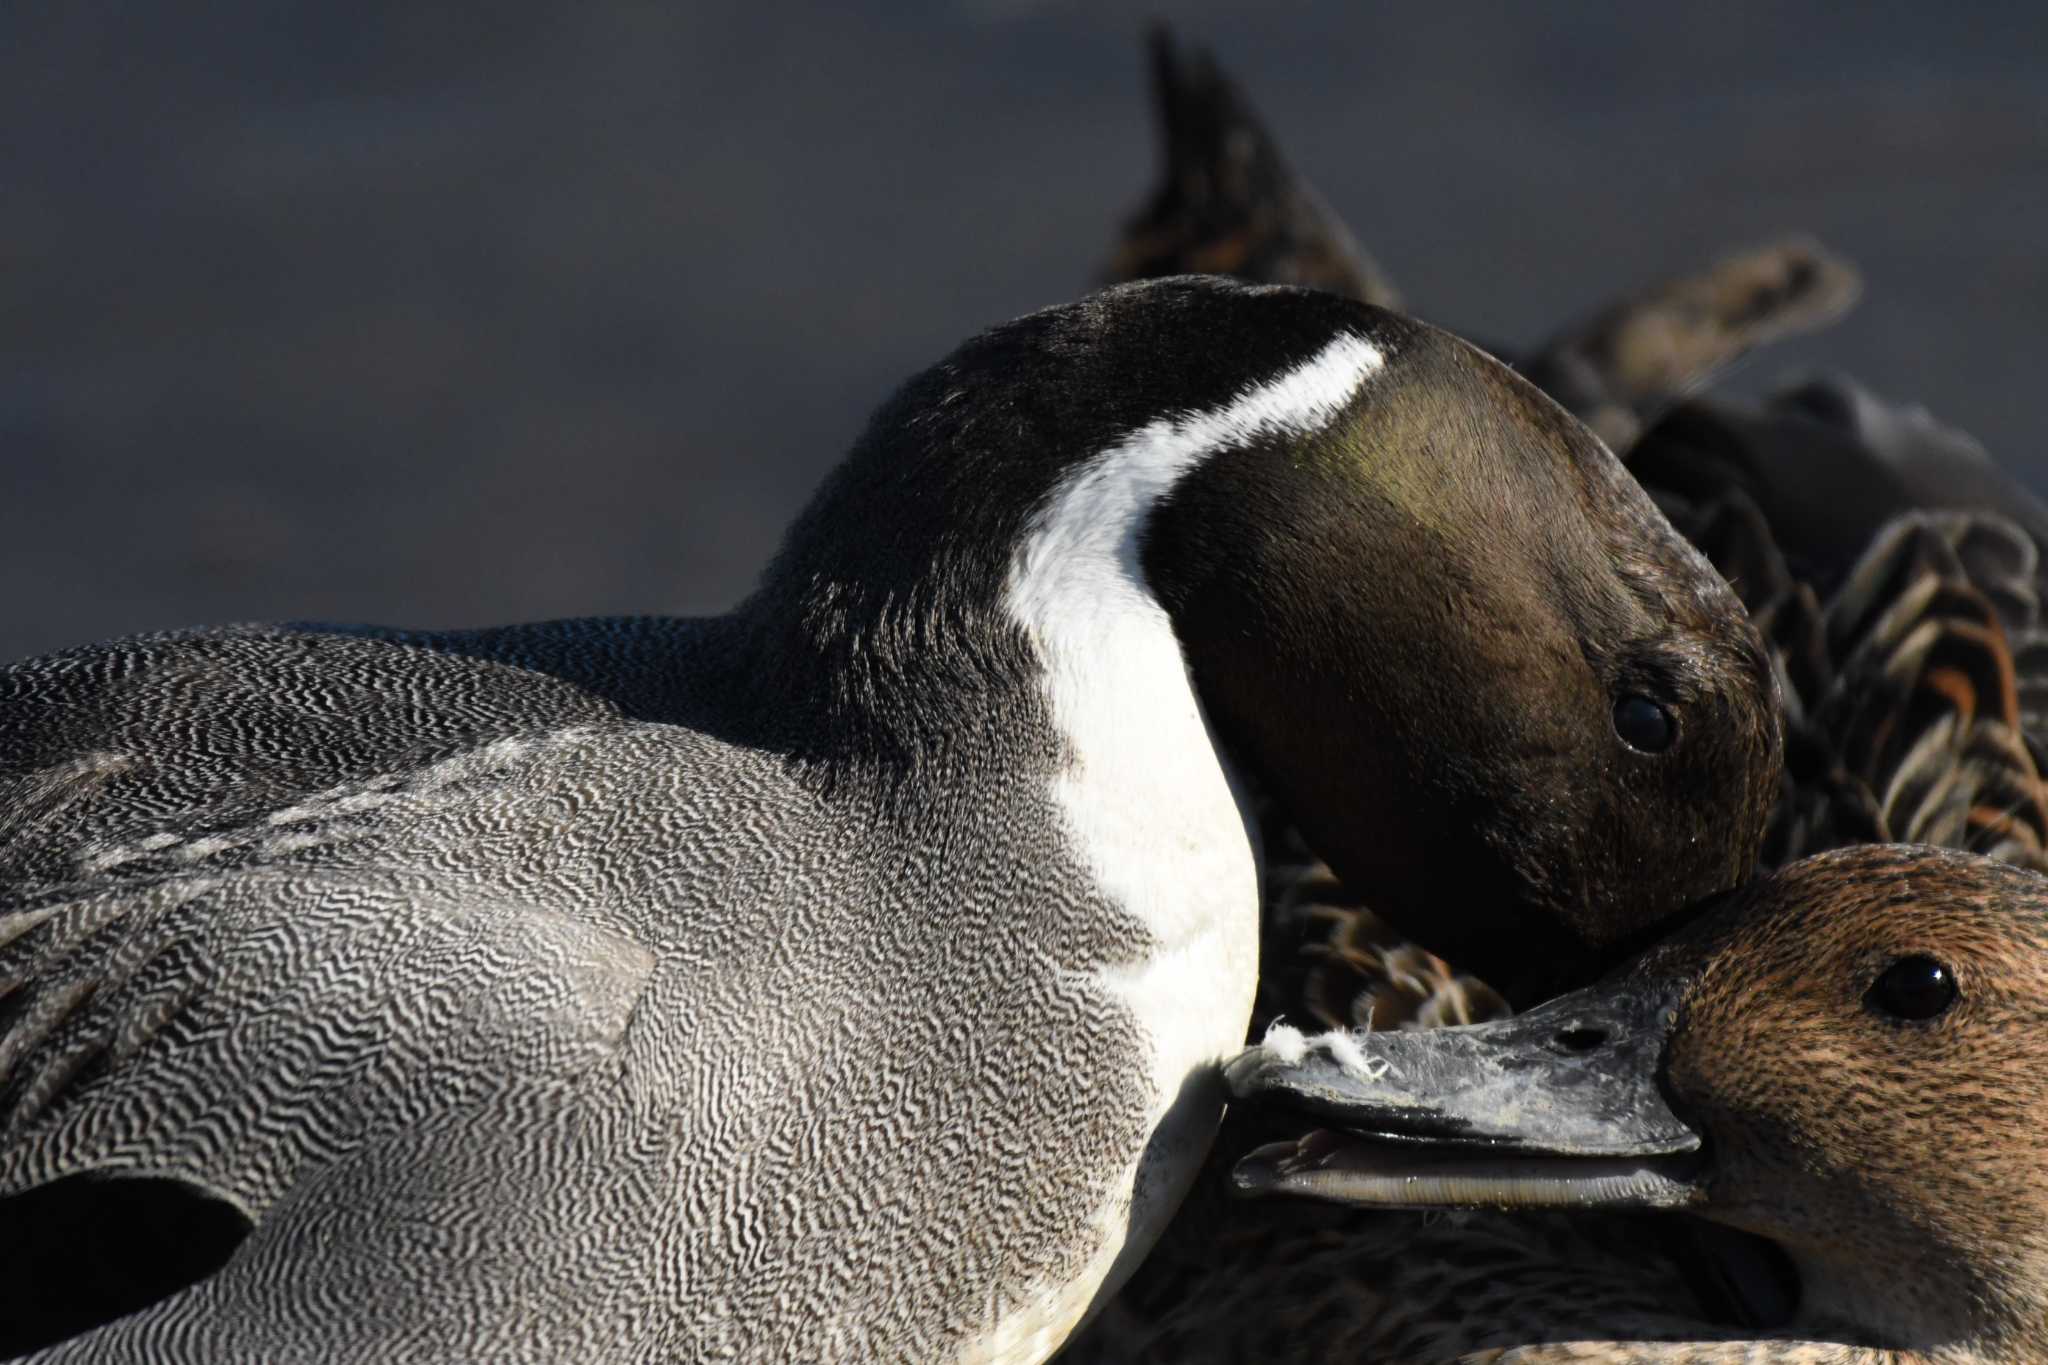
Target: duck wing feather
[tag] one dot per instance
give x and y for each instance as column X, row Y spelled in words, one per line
column 1631, row 361
column 1228, row 202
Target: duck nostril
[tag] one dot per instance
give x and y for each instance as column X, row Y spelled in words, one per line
column 1581, row 1039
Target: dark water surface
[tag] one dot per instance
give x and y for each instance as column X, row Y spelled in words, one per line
column 437, row 316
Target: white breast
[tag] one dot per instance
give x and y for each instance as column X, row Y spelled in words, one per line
column 1150, row 805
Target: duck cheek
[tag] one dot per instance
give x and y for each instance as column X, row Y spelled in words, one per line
column 1652, row 855
column 1731, row 1091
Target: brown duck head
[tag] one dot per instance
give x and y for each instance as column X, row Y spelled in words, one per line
column 1422, row 608
column 1497, row 690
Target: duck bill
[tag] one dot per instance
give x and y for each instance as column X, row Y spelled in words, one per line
column 1558, row 1108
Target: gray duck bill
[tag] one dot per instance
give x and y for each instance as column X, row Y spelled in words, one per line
column 1557, row 1108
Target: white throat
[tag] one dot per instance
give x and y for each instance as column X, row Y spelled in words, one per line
column 1147, row 796
column 1150, row 806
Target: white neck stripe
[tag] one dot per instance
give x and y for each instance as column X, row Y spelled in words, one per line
column 1149, row 809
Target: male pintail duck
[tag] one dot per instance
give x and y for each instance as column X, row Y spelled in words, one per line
column 1229, row 202
column 1846, row 1060
column 1904, row 722
column 843, row 978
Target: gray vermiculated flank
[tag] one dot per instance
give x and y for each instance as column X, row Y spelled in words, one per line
column 508, row 1014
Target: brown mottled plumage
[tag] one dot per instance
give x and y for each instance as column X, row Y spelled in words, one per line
column 1908, row 666
column 1329, row 960
column 1902, row 696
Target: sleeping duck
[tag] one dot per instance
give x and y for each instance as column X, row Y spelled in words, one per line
column 843, row 978
column 1841, row 1062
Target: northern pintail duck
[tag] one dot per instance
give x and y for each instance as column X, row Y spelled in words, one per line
column 844, row 978
column 1844, row 1063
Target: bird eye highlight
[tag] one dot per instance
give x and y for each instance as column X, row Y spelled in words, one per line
column 1915, row 988
column 1644, row 725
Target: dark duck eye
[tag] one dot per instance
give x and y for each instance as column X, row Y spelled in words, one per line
column 1914, row 987
column 1644, row 725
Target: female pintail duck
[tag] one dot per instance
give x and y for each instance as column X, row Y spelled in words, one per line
column 1845, row 1060
column 844, row 978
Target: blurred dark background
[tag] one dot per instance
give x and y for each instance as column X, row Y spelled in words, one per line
column 388, row 311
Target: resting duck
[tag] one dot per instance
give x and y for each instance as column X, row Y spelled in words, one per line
column 1842, row 1062
column 845, row 977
